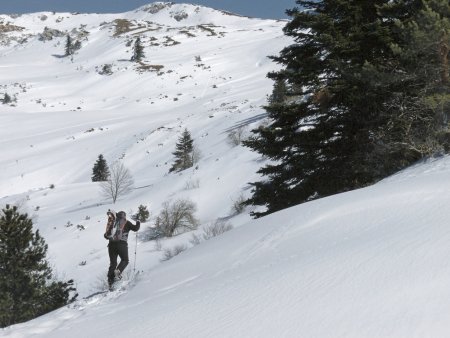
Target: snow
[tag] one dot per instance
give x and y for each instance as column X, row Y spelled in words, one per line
column 367, row 263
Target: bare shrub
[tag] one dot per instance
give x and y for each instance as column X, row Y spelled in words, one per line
column 106, row 69
column 196, row 154
column 192, row 184
column 215, row 229
column 236, row 136
column 177, row 217
column 195, row 240
column 238, row 205
column 212, row 230
column 150, row 234
column 120, row 182
column 100, row 284
column 158, row 245
column 170, row 253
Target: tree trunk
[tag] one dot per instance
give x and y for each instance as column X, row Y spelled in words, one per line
column 443, row 58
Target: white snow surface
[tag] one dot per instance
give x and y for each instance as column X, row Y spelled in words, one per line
column 373, row 262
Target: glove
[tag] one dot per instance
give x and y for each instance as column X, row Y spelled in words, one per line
column 105, row 235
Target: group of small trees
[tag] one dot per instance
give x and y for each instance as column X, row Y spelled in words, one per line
column 71, row 46
column 117, row 180
column 175, row 216
column 27, row 286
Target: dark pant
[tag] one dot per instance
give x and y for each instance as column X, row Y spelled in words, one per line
column 115, row 249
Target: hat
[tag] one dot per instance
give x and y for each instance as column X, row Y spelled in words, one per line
column 121, row 214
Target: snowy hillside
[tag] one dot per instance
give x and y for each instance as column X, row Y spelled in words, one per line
column 368, row 263
column 204, row 70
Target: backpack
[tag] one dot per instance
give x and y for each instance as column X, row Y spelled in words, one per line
column 119, row 225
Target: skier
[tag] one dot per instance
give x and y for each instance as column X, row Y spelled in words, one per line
column 117, row 230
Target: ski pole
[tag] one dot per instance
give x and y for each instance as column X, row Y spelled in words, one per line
column 135, row 254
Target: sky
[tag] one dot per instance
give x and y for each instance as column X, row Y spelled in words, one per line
column 269, row 9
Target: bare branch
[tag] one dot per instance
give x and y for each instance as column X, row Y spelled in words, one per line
column 120, row 182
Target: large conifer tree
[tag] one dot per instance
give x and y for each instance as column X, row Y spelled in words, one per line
column 27, row 288
column 321, row 134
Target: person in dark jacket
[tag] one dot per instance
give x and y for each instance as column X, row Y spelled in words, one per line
column 117, row 230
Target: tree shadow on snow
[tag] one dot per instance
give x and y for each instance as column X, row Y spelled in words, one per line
column 246, row 122
column 95, row 205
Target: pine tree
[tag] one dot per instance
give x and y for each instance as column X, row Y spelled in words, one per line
column 143, row 214
column 138, row 51
column 69, row 50
column 6, row 99
column 279, row 92
column 27, row 288
column 184, row 152
column 100, row 171
column 417, row 113
column 321, row 133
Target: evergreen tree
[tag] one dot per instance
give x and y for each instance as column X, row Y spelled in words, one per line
column 417, row 113
column 100, row 171
column 183, row 153
column 138, row 51
column 6, row 99
column 279, row 92
column 69, row 49
column 321, row 133
column 143, row 214
column 27, row 288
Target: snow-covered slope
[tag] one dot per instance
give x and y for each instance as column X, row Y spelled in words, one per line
column 204, row 70
column 369, row 263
